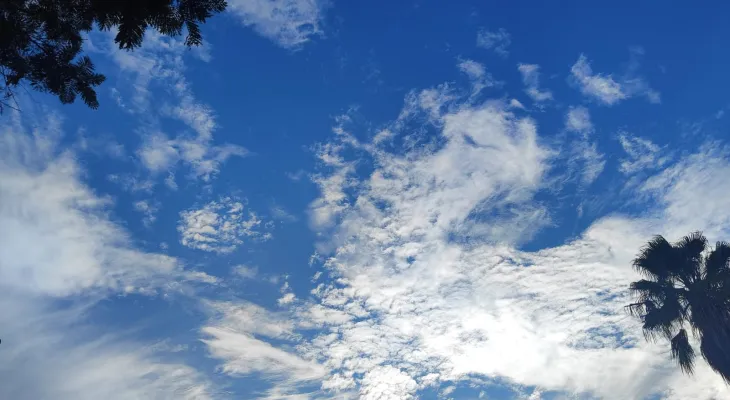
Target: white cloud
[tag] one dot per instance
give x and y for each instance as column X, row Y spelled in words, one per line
column 478, row 75
column 387, row 383
column 281, row 214
column 600, row 87
column 219, row 226
column 246, row 272
column 288, row 23
column 58, row 242
column 131, row 183
column 52, row 353
column 296, row 176
column 161, row 154
column 160, row 61
column 237, row 336
column 514, row 103
column 531, row 79
column 472, row 69
column 633, row 83
column 75, row 245
column 642, row 154
column 697, row 179
column 287, row 298
column 249, row 318
column 582, row 147
column 429, row 287
column 148, row 210
column 607, row 90
column 244, row 354
column 578, row 119
column 593, row 160
column 498, row 41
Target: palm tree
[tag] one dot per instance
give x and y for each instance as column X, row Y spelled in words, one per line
column 687, row 288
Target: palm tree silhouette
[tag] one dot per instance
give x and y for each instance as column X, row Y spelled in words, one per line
column 687, row 288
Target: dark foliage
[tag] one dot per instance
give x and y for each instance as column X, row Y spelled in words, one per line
column 41, row 40
column 687, row 287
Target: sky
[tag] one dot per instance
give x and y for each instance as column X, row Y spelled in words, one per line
column 365, row 200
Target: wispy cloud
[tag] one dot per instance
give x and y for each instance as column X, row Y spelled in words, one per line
column 288, row 23
column 597, row 86
column 76, row 247
column 583, row 147
column 160, row 154
column 498, row 41
column 149, row 211
column 54, row 353
column 531, row 79
column 578, row 119
column 160, row 61
column 696, row 179
column 60, row 253
column 245, row 271
column 238, row 334
column 279, row 213
column 642, row 154
column 608, row 90
column 478, row 75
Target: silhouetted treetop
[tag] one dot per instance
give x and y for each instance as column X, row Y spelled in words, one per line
column 686, row 290
column 41, row 40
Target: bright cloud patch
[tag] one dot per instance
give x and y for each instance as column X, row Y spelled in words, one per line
column 219, row 226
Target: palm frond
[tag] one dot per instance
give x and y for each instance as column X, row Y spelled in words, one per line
column 693, row 244
column 654, row 258
column 687, row 265
column 658, row 293
column 637, row 309
column 661, row 321
column 683, row 352
column 655, row 290
column 716, row 263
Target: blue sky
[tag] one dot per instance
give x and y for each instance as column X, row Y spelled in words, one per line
column 391, row 200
